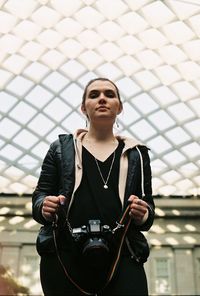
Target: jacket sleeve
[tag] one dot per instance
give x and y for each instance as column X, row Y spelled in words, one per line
column 147, row 189
column 134, row 183
column 48, row 183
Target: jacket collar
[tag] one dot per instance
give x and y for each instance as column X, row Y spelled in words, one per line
column 129, row 143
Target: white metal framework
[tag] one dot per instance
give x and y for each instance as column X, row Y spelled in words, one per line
column 49, row 50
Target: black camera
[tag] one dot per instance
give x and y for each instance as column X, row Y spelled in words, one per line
column 93, row 241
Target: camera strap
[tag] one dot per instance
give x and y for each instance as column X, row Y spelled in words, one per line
column 124, row 224
column 120, row 230
column 54, row 225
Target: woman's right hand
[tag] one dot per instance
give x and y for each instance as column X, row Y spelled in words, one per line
column 50, row 206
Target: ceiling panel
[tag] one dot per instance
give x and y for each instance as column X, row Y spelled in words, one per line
column 49, row 50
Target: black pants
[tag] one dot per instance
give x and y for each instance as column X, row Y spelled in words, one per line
column 129, row 279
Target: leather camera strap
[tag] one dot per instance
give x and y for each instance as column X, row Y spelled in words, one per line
column 123, row 223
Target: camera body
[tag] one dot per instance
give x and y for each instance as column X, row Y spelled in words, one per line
column 93, row 241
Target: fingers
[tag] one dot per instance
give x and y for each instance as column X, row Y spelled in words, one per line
column 50, row 203
column 138, row 208
column 135, row 200
column 50, row 206
column 61, row 199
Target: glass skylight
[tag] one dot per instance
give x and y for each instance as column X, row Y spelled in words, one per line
column 49, row 50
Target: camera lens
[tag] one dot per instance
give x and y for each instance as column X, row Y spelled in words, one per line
column 96, row 251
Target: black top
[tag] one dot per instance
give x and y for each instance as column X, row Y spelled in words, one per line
column 91, row 199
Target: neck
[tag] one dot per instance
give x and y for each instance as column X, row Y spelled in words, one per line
column 101, row 134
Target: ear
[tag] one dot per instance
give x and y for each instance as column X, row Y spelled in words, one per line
column 83, row 109
column 120, row 108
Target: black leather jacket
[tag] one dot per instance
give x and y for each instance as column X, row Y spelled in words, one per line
column 58, row 177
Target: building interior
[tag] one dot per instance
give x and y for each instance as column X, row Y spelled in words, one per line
column 49, row 50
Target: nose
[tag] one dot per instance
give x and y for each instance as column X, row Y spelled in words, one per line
column 102, row 96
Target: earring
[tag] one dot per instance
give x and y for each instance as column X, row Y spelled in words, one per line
column 117, row 123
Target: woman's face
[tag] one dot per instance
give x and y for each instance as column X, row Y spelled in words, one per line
column 101, row 102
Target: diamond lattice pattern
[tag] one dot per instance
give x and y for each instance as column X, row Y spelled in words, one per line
column 49, row 50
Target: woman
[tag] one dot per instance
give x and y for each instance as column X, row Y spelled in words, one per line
column 88, row 182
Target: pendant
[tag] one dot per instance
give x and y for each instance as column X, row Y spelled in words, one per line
column 105, row 186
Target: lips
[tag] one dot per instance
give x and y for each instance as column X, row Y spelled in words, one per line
column 102, row 108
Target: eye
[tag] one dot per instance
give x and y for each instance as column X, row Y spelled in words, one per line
column 110, row 94
column 93, row 94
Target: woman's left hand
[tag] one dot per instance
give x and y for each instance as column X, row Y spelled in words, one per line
column 138, row 209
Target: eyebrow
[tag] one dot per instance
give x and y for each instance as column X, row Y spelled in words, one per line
column 99, row 90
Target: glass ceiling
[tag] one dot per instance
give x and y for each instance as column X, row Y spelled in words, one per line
column 49, row 50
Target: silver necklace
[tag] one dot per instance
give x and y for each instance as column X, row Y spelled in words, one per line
column 105, row 182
